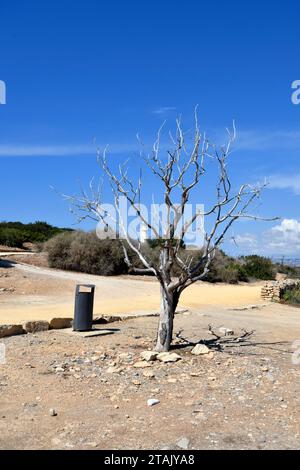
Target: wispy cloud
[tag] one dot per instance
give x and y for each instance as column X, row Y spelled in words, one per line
column 28, row 150
column 245, row 240
column 267, row 140
column 246, row 140
column 164, row 110
column 282, row 239
column 291, row 182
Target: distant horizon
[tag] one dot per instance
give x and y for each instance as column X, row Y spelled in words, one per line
column 274, row 257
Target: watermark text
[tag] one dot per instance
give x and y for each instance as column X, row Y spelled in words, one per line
column 2, row 92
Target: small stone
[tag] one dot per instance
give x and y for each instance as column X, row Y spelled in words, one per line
column 11, row 330
column 149, row 355
column 183, row 443
column 142, row 364
column 36, row 326
column 168, row 357
column 60, row 323
column 136, row 382
column 92, row 444
column 200, row 349
column 226, row 331
column 148, row 373
column 125, row 357
column 114, row 370
column 95, row 358
column 152, row 402
column 52, row 412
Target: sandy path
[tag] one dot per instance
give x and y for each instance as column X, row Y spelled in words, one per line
column 113, row 295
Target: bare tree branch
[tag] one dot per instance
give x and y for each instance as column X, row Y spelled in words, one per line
column 180, row 171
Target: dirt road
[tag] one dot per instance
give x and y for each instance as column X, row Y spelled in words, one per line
column 44, row 293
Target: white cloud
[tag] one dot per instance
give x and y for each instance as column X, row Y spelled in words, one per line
column 60, row 150
column 245, row 240
column 164, row 110
column 246, row 140
column 291, row 182
column 263, row 140
column 282, row 239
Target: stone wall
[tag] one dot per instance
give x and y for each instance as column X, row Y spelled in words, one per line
column 274, row 290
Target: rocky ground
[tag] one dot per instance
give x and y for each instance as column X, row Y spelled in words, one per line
column 63, row 391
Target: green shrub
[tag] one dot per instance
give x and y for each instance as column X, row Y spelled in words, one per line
column 292, row 296
column 14, row 234
column 224, row 268
column 258, row 267
column 11, row 237
column 84, row 252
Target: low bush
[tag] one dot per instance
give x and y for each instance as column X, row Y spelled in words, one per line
column 224, row 268
column 292, row 296
column 11, row 237
column 258, row 267
column 84, row 252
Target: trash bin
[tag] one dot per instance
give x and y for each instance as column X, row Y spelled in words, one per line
column 83, row 311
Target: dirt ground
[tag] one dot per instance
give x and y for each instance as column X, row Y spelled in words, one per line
column 28, row 292
column 245, row 397
column 60, row 390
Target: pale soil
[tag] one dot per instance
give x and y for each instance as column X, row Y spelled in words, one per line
column 41, row 293
column 246, row 397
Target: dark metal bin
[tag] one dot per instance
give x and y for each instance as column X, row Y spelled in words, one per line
column 83, row 310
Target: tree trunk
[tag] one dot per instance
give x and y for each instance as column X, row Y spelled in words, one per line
column 168, row 306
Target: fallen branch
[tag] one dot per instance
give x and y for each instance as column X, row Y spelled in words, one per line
column 218, row 342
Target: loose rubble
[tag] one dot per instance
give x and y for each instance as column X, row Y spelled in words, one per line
column 149, row 355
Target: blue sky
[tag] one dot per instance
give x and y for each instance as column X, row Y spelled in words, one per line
column 76, row 71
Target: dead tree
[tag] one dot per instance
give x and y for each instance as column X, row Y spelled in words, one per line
column 179, row 171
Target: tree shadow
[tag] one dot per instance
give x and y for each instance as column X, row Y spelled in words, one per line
column 230, row 343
